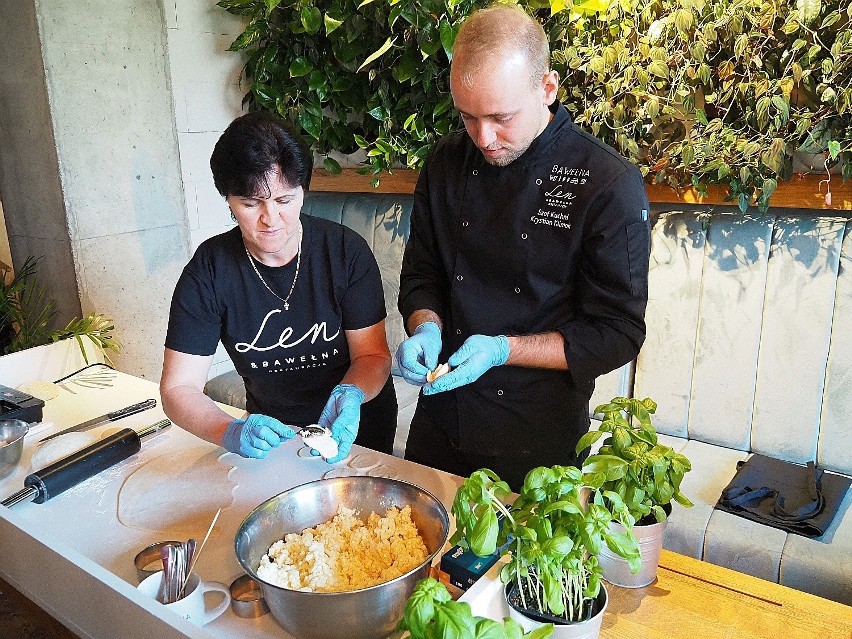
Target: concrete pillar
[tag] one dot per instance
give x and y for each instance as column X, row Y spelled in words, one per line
column 89, row 163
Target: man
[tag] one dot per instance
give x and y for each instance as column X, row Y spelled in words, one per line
column 526, row 268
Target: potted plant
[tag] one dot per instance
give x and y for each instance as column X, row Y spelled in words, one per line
column 552, row 533
column 431, row 613
column 26, row 315
column 644, row 474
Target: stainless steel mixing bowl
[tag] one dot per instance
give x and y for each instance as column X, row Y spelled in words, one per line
column 368, row 613
column 12, row 433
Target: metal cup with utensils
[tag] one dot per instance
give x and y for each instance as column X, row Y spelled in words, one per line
column 149, row 560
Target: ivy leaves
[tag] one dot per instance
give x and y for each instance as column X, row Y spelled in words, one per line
column 693, row 92
column 713, row 93
column 368, row 74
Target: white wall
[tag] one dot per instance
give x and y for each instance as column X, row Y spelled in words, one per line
column 207, row 95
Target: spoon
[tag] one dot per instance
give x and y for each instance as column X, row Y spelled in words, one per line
column 168, row 558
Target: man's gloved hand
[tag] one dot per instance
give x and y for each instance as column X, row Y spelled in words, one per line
column 476, row 355
column 255, row 436
column 341, row 416
column 418, row 355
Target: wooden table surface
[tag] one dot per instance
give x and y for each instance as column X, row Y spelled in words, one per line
column 696, row 600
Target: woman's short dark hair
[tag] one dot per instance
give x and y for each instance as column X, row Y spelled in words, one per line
column 253, row 145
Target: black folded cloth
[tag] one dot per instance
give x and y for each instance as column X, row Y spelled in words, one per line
column 799, row 499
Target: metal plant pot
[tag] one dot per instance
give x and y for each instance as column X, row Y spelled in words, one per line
column 588, row 629
column 616, row 570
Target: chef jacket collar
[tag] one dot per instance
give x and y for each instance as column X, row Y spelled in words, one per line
column 554, row 130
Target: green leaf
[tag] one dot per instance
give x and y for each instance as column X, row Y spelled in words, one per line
column 743, row 201
column 833, row 149
column 331, row 24
column 488, row 629
column 453, row 620
column 614, row 467
column 378, row 53
column 588, row 439
column 310, row 123
column 311, row 18
column 332, row 166
column 271, row 5
column 378, row 113
column 407, row 67
column 625, row 545
column 448, row 36
column 557, row 547
column 809, row 10
column 443, row 106
column 659, row 69
column 782, row 106
column 250, row 36
column 300, row 66
column 539, row 633
column 483, row 539
column 683, row 20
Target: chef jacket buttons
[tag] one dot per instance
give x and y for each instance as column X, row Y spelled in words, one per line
column 517, row 290
column 458, row 331
column 523, row 236
column 459, row 278
column 464, row 223
column 475, row 172
column 499, row 392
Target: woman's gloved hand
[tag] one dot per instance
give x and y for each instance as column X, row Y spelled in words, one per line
column 418, row 354
column 341, row 415
column 255, row 436
column 476, row 355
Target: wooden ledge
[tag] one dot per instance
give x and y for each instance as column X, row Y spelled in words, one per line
column 803, row 191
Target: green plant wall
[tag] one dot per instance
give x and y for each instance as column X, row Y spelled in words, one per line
column 694, row 92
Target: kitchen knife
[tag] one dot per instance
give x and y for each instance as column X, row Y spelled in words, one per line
column 103, row 419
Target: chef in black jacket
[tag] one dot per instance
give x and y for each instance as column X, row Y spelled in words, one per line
column 527, row 265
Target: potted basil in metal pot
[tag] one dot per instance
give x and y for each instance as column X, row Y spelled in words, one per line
column 642, row 475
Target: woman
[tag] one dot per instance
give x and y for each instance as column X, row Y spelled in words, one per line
column 296, row 301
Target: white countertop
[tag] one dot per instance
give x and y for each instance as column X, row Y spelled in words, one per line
column 73, row 556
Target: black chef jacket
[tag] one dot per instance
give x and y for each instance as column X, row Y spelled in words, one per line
column 556, row 241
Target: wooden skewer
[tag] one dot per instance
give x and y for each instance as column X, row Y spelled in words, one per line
column 195, row 555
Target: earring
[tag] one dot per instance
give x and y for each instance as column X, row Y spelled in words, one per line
column 233, row 217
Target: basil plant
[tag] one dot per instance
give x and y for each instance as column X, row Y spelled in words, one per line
column 552, row 533
column 631, row 463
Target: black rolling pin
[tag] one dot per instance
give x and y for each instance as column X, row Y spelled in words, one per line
column 87, row 462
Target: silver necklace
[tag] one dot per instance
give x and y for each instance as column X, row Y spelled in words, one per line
column 295, row 277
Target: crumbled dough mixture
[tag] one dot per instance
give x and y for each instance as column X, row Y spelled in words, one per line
column 346, row 553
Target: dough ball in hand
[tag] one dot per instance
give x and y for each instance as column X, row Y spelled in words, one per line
column 442, row 369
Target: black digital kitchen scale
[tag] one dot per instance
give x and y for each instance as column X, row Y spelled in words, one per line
column 15, row 404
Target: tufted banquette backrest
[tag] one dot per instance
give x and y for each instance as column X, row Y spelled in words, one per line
column 749, row 341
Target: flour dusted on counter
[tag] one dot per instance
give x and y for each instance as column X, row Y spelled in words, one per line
column 346, row 553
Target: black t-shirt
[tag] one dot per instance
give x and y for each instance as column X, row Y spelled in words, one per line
column 290, row 360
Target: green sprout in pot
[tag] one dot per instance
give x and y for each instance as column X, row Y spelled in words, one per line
column 632, row 464
column 430, row 613
column 552, row 532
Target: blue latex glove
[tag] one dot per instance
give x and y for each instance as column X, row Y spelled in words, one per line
column 418, row 355
column 341, row 416
column 255, row 436
column 476, row 355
